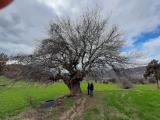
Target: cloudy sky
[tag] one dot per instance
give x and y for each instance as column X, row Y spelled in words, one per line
column 25, row 22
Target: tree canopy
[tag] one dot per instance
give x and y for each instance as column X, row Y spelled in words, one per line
column 153, row 70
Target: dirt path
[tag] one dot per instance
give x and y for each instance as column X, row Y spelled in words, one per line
column 76, row 112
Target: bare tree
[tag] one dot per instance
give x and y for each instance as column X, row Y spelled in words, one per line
column 3, row 60
column 153, row 70
column 77, row 47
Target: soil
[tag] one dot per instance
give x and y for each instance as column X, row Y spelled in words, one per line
column 76, row 112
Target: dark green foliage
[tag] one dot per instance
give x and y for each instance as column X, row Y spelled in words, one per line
column 153, row 70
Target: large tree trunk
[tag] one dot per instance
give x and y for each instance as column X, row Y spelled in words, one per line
column 74, row 87
column 73, row 83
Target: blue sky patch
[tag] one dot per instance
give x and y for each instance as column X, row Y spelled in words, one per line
column 144, row 37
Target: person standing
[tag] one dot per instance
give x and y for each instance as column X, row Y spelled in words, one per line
column 91, row 89
column 88, row 88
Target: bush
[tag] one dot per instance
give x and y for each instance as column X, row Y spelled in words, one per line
column 105, row 82
column 126, row 84
column 112, row 80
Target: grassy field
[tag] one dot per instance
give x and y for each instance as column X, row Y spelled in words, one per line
column 139, row 103
column 17, row 97
column 109, row 102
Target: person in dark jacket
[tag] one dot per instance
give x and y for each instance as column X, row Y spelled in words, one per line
column 88, row 88
column 91, row 89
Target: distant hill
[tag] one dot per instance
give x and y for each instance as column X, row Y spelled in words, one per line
column 136, row 72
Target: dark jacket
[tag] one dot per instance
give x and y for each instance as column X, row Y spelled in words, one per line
column 92, row 87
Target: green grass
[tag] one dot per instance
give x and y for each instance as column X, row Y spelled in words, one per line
column 139, row 103
column 100, row 87
column 14, row 99
column 16, row 96
column 109, row 102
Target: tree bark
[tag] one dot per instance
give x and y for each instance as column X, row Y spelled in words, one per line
column 74, row 87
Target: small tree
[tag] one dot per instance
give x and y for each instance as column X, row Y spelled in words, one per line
column 3, row 60
column 153, row 70
column 76, row 48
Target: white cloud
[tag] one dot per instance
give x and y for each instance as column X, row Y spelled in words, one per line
column 148, row 51
column 133, row 16
column 13, row 48
column 152, row 45
column 21, row 24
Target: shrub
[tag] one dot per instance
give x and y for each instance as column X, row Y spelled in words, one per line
column 112, row 80
column 105, row 81
column 126, row 84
